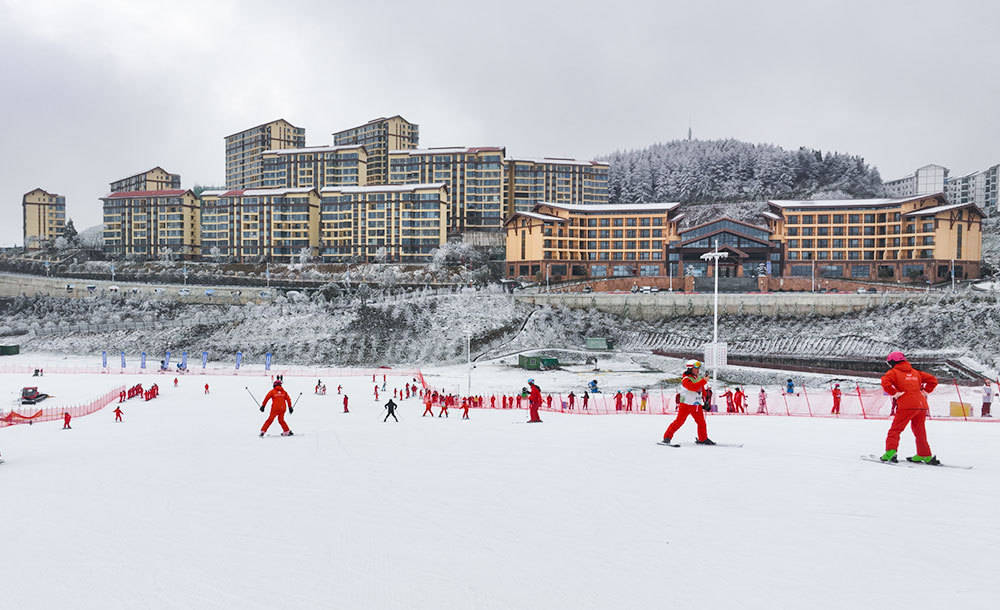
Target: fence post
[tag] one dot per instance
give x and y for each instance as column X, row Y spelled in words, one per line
column 861, row 402
column 808, row 405
column 961, row 404
column 784, row 397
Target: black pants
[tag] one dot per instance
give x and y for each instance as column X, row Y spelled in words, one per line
column 393, row 414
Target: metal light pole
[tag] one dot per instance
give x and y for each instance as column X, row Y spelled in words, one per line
column 267, row 274
column 185, row 271
column 953, row 275
column 715, row 256
column 112, row 272
column 468, row 360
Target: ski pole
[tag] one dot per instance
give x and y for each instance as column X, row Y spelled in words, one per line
column 292, row 408
column 255, row 401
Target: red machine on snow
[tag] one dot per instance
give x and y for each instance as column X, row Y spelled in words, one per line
column 30, row 396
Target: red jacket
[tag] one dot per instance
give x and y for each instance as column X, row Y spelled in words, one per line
column 279, row 399
column 909, row 384
column 536, row 396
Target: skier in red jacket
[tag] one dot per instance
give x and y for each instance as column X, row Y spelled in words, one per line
column 910, row 388
column 280, row 401
column 345, row 404
column 535, row 402
column 692, row 385
column 66, row 419
column 629, row 396
column 836, row 399
column 118, row 413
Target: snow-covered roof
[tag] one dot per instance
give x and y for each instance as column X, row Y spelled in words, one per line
column 610, row 208
column 555, row 161
column 537, row 216
column 849, row 203
column 267, row 192
column 214, row 192
column 383, row 188
column 310, row 149
column 771, row 215
column 940, row 208
column 134, row 194
column 447, row 150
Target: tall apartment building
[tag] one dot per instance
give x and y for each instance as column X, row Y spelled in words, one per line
column 474, row 178
column 156, row 179
column 927, row 180
column 251, row 225
column 315, row 167
column 244, row 149
column 575, row 241
column 383, row 223
column 149, row 224
column 902, row 238
column 43, row 217
column 379, row 136
column 978, row 188
column 552, row 180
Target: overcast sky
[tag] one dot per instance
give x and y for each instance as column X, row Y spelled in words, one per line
column 96, row 91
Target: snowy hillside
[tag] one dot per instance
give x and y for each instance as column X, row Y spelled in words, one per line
column 182, row 506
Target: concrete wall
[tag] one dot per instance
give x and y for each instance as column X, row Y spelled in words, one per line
column 667, row 304
column 13, row 284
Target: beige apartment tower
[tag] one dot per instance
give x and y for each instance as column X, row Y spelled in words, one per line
column 151, row 224
column 315, row 167
column 156, row 179
column 379, row 136
column 43, row 218
column 244, row 151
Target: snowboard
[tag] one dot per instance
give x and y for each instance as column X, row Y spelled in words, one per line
column 871, row 457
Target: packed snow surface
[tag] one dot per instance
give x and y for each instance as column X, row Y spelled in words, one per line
column 183, row 506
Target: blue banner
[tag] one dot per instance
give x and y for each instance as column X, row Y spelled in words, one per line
column 166, row 361
column 204, row 359
column 184, row 360
column 142, row 364
column 267, row 361
column 104, row 359
column 123, row 359
column 239, row 359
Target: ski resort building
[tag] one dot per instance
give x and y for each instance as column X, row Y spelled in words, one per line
column 150, row 224
column 978, row 188
column 553, row 180
column 562, row 241
column 474, row 178
column 255, row 225
column 379, row 136
column 156, row 179
column 383, row 223
column 43, row 218
column 314, row 167
column 911, row 238
column 245, row 149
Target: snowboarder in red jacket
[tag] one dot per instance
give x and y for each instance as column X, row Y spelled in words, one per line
column 692, row 386
column 345, row 405
column 534, row 402
column 910, row 388
column 280, row 401
column 118, row 413
column 66, row 419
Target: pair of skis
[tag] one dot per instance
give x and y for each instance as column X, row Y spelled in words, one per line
column 871, row 457
column 734, row 445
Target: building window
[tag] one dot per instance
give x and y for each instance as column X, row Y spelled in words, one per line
column 958, row 244
column 792, row 220
column 858, row 271
column 649, row 270
column 792, row 231
column 598, row 271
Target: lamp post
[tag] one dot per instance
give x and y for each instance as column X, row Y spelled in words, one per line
column 715, row 256
column 953, row 275
column 468, row 360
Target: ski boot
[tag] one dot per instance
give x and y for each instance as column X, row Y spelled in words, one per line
column 707, row 441
column 889, row 456
column 666, row 440
column 930, row 460
column 288, row 433
column 262, row 433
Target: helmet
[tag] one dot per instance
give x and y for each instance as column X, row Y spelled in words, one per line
column 895, row 358
column 531, row 381
column 277, row 383
column 693, row 364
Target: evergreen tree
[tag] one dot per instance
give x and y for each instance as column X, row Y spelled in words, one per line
column 72, row 237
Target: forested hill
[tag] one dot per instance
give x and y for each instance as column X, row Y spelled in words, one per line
column 730, row 170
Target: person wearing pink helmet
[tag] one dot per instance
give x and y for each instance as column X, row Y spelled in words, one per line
column 910, row 388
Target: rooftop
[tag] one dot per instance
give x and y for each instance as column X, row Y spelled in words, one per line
column 271, row 192
column 448, row 150
column 851, row 203
column 609, row 208
column 373, row 121
column 310, row 149
column 383, row 188
column 261, row 125
column 556, row 161
column 134, row 194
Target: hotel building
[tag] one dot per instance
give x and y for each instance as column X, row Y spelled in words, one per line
column 383, row 223
column 474, row 178
column 379, row 136
column 43, row 218
column 926, row 180
column 978, row 188
column 252, row 225
column 314, row 167
column 567, row 241
column 244, row 149
column 156, row 179
column 531, row 181
column 889, row 239
column 148, row 224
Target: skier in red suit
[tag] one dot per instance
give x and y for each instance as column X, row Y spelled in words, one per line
column 345, row 404
column 836, row 399
column 692, row 386
column 910, row 388
column 66, row 419
column 535, row 402
column 118, row 413
column 280, row 401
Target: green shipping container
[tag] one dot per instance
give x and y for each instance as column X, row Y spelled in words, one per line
column 9, row 350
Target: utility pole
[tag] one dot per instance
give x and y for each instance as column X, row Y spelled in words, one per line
column 715, row 256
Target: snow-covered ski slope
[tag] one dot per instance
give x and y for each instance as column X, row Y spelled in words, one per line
column 182, row 506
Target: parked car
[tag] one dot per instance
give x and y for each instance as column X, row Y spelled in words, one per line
column 184, row 291
column 654, row 289
column 114, row 288
column 209, row 292
column 646, row 289
column 588, row 288
column 91, row 288
column 265, row 294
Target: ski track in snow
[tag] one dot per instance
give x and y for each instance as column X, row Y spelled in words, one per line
column 183, row 506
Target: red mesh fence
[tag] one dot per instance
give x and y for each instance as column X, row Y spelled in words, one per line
column 31, row 414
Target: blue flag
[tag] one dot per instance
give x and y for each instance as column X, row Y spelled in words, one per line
column 184, row 360
column 142, row 364
column 239, row 358
column 123, row 359
column 166, row 361
column 204, row 359
column 104, row 359
column 267, row 361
